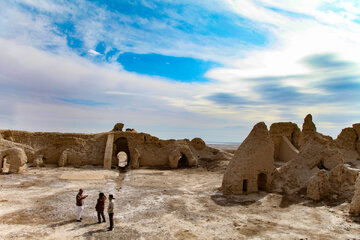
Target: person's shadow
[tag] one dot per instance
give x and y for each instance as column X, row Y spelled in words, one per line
column 61, row 223
column 90, row 233
column 83, row 226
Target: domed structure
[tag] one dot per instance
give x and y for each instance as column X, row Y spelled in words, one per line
column 253, row 164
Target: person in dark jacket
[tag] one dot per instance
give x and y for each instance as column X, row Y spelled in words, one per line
column 80, row 204
column 100, row 207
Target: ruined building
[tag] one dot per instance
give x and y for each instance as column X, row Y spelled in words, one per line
column 142, row 150
column 253, row 164
column 305, row 159
column 117, row 148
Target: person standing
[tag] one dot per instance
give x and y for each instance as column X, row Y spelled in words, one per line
column 80, row 204
column 100, row 206
column 111, row 212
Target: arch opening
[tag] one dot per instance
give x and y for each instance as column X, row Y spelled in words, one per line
column 183, row 161
column 244, row 186
column 262, row 182
column 3, row 161
column 321, row 165
column 122, row 149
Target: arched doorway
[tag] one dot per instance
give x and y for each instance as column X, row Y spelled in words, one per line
column 183, row 161
column 121, row 145
column 2, row 162
column 244, row 186
column 262, row 182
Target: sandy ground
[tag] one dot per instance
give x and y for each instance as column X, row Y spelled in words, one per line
column 159, row 204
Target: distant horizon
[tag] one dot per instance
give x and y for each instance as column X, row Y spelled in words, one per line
column 179, row 69
column 167, row 138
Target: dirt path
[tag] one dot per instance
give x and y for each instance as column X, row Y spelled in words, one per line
column 158, row 204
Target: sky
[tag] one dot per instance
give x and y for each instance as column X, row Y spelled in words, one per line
column 179, row 68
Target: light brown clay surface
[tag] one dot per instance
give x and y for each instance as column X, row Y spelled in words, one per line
column 159, row 204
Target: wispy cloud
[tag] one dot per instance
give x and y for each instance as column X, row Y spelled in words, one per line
column 85, row 102
column 63, row 64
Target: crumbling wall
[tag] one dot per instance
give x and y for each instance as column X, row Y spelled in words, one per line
column 318, row 186
column 89, row 149
column 198, row 143
column 29, row 151
column 12, row 160
column 348, row 142
column 83, row 148
column 280, row 130
column 150, row 151
column 317, row 154
column 308, row 131
column 339, row 181
column 355, row 202
column 287, row 151
column 356, row 127
column 347, row 139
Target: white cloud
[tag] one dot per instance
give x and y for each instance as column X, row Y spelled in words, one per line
column 295, row 43
column 34, row 81
column 93, row 52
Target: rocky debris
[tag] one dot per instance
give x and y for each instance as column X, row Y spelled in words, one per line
column 341, row 175
column 355, row 202
column 38, row 161
column 342, row 180
column 319, row 165
column 198, row 143
column 131, row 130
column 222, row 155
column 252, row 166
column 318, row 186
column 118, row 127
column 213, row 159
column 284, row 129
column 13, row 160
column 212, row 153
column 317, row 154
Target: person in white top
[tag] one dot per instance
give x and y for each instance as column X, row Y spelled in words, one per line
column 111, row 212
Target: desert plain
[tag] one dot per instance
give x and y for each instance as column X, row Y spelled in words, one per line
column 281, row 183
column 160, row 204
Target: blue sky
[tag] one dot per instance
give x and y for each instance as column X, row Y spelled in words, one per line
column 179, row 69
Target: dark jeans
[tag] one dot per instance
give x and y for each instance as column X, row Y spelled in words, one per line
column 102, row 215
column 111, row 215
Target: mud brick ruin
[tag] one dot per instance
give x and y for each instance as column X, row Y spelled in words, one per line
column 283, row 159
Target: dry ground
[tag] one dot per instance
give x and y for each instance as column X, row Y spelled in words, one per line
column 158, row 204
